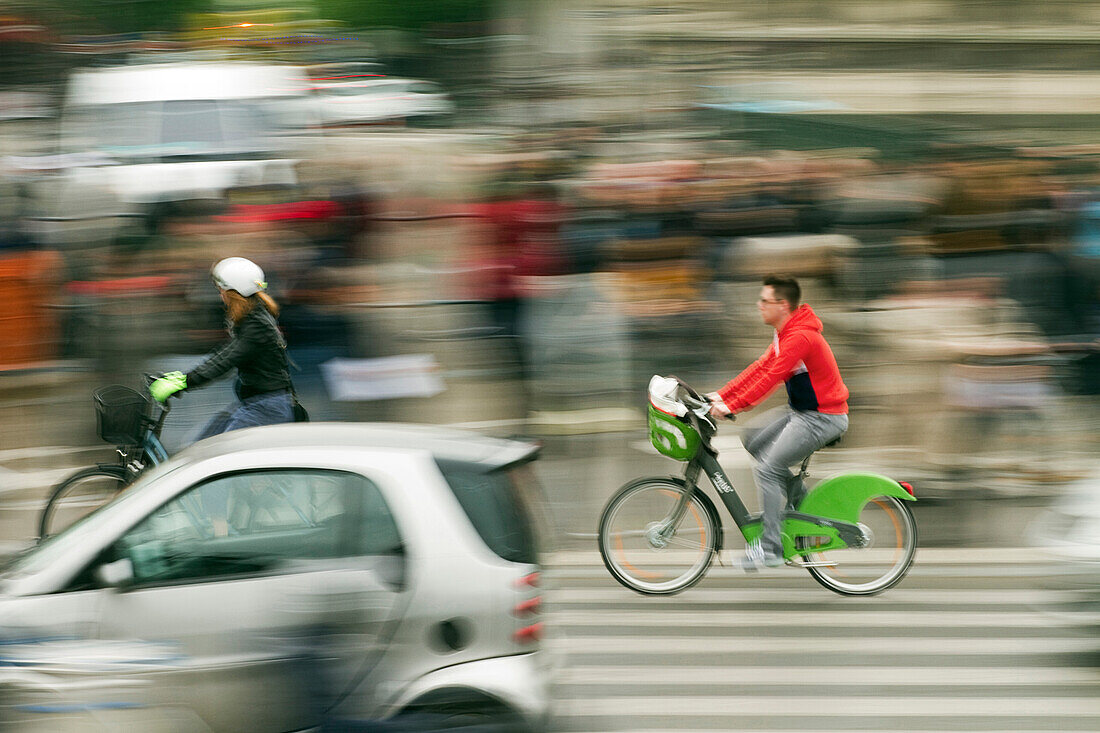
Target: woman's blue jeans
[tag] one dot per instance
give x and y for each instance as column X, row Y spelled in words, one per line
column 269, row 408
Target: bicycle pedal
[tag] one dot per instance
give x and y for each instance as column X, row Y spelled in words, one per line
column 825, row 564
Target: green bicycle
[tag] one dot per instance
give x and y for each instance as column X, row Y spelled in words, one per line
column 853, row 532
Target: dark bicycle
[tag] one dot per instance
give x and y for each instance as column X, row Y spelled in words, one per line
column 132, row 422
column 853, row 532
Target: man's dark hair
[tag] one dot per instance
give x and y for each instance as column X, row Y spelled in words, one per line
column 786, row 288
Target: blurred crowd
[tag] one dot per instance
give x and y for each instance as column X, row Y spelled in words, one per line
column 571, row 268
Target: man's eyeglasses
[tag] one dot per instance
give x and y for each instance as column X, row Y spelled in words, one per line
column 767, row 300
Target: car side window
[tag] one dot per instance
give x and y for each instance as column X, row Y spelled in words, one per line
column 377, row 532
column 254, row 521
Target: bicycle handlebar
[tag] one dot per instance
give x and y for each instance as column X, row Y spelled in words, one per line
column 148, row 379
column 157, row 425
column 697, row 403
column 691, row 393
column 699, row 407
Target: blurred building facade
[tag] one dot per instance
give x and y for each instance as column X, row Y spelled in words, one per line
column 996, row 60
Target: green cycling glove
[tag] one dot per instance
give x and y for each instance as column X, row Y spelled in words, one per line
column 168, row 385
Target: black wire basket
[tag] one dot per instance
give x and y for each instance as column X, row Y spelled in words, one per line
column 120, row 414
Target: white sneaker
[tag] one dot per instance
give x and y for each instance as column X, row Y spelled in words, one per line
column 755, row 558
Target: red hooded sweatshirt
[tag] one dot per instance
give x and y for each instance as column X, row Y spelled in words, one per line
column 800, row 357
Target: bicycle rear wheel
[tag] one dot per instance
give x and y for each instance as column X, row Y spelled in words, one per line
column 79, row 495
column 644, row 550
column 876, row 567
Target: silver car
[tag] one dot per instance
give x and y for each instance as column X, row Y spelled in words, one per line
column 335, row 571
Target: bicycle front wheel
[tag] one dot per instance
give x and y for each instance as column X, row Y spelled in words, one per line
column 79, row 495
column 650, row 550
column 878, row 566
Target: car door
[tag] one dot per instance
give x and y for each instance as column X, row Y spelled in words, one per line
column 271, row 587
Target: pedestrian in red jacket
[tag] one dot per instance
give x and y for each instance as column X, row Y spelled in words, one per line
column 817, row 412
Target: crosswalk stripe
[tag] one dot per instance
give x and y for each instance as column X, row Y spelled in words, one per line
column 942, row 646
column 880, row 676
column 1062, row 729
column 814, row 594
column 736, row 619
column 819, row 707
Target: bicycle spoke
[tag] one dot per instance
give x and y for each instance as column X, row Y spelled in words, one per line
column 640, row 554
column 864, row 571
column 681, row 542
column 632, row 533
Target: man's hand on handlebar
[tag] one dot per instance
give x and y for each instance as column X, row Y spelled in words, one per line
column 718, row 406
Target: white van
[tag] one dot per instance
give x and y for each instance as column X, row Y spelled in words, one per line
column 168, row 131
column 188, row 129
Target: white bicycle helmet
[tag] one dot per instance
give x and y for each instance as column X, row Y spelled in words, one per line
column 237, row 273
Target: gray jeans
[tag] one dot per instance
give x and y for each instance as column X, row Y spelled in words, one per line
column 778, row 440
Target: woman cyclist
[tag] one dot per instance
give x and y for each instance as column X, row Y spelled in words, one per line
column 256, row 348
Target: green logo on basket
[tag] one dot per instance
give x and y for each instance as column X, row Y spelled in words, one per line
column 671, row 437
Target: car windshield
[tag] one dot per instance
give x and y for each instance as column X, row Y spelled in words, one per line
column 177, row 127
column 43, row 555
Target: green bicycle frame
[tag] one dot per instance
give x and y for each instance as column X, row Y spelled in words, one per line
column 829, row 513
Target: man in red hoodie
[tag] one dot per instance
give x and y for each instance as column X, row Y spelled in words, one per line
column 817, row 413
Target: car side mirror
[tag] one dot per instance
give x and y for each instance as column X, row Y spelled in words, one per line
column 117, row 574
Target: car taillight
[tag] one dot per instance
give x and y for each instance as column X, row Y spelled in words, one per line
column 528, row 607
column 528, row 634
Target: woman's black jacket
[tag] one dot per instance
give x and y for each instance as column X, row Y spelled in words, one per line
column 257, row 349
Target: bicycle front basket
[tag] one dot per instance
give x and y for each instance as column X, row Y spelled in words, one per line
column 672, row 436
column 119, row 413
